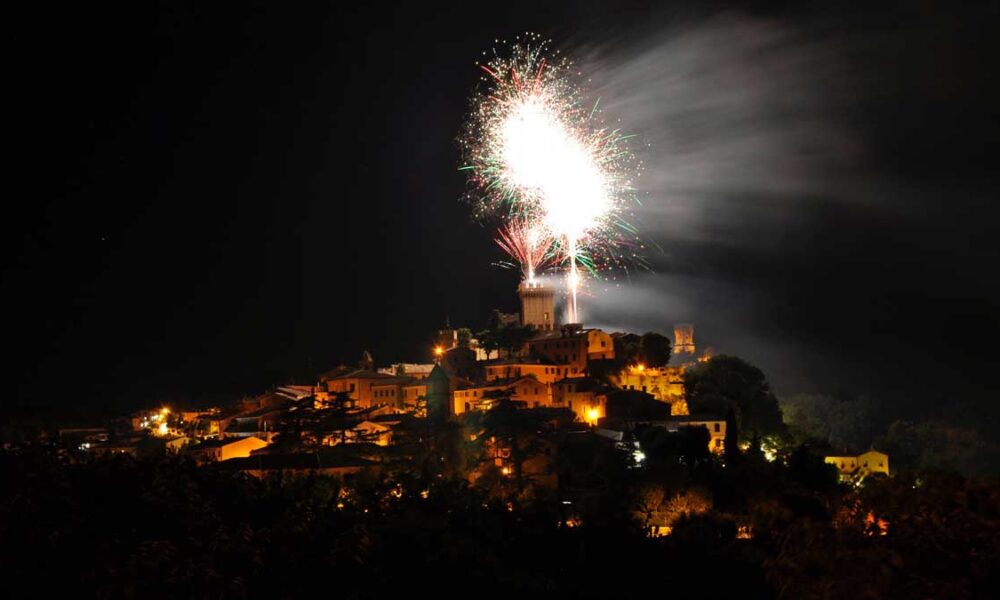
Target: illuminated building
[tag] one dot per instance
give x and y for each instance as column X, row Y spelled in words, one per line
column 542, row 369
column 225, row 449
column 572, row 346
column 633, row 415
column 359, row 385
column 851, row 466
column 414, row 370
column 666, row 384
column 390, row 393
column 413, row 393
column 259, row 423
column 585, row 396
column 374, row 432
column 716, row 427
column 526, row 389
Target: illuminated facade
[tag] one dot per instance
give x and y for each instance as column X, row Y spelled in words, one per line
column 584, row 396
column 861, row 465
column 572, row 347
column 716, row 429
column 360, row 386
column 523, row 389
column 538, row 304
column 666, row 384
column 541, row 369
column 684, row 339
column 219, row 450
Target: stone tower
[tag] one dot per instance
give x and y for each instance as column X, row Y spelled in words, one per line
column 438, row 394
column 684, row 338
column 538, row 305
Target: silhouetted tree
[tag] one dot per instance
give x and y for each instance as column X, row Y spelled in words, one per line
column 654, row 349
column 727, row 381
column 627, row 349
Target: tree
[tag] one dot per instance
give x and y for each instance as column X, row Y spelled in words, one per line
column 515, row 433
column 726, row 381
column 514, row 337
column 654, row 349
column 307, row 422
column 464, row 335
column 510, row 338
column 627, row 349
column 842, row 423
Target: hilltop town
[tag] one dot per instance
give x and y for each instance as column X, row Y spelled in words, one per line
column 564, row 379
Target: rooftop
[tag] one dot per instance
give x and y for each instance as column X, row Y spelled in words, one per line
column 520, row 360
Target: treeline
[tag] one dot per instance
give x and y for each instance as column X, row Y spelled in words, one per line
column 744, row 527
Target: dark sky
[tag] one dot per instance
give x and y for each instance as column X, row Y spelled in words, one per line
column 209, row 199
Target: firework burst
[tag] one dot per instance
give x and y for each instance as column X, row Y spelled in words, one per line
column 529, row 244
column 540, row 160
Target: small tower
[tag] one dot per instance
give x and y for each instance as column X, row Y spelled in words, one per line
column 439, row 405
column 538, row 305
column 684, row 338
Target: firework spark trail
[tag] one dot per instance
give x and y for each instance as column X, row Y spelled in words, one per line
column 530, row 244
column 534, row 154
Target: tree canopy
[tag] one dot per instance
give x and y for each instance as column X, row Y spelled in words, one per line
column 727, row 381
column 654, row 349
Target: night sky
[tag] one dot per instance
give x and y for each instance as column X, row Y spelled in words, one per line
column 208, row 200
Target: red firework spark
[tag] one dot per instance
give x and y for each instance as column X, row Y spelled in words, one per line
column 528, row 244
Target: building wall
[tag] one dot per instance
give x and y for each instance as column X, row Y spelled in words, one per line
column 864, row 464
column 240, row 448
column 537, row 305
column 413, row 393
column 684, row 339
column 357, row 388
column 599, row 345
column 716, row 433
column 665, row 384
column 533, row 393
column 874, row 461
column 543, row 373
column 571, row 352
column 390, row 394
column 588, row 406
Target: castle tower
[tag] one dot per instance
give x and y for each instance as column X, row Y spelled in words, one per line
column 538, row 305
column 684, row 338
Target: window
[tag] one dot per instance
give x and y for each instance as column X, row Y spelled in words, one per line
column 716, row 428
